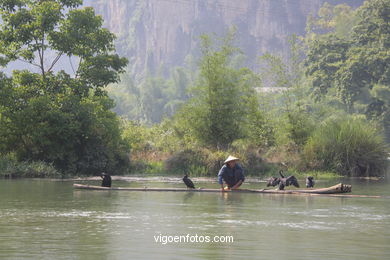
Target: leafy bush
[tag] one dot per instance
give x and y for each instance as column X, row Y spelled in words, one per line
column 10, row 168
column 136, row 135
column 349, row 146
column 205, row 162
column 79, row 136
column 149, row 167
column 299, row 126
column 196, row 161
column 184, row 161
column 254, row 164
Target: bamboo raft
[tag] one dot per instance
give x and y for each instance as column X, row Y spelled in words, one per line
column 337, row 190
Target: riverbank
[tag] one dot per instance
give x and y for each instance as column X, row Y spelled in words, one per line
column 11, row 168
column 157, row 170
column 14, row 170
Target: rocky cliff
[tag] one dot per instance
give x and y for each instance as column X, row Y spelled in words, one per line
column 155, row 33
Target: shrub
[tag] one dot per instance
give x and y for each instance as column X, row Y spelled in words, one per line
column 10, row 168
column 205, row 162
column 253, row 163
column 299, row 126
column 349, row 146
column 196, row 161
column 185, row 161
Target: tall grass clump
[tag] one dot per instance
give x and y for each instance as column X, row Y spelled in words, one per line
column 349, row 146
column 11, row 168
column 195, row 161
column 206, row 162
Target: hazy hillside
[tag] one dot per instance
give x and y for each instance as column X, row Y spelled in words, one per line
column 152, row 33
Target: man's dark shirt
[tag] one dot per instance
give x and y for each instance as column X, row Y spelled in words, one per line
column 106, row 181
column 231, row 175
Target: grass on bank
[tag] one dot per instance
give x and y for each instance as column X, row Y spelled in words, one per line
column 348, row 146
column 11, row 168
column 158, row 168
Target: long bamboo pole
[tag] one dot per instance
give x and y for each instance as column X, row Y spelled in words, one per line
column 333, row 191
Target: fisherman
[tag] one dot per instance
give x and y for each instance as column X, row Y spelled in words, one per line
column 106, row 180
column 231, row 173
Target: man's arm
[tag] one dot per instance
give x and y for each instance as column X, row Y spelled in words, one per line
column 240, row 172
column 220, row 181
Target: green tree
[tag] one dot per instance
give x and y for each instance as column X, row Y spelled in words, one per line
column 324, row 58
column 291, row 103
column 55, row 116
column 154, row 98
column 338, row 19
column 354, row 63
column 223, row 102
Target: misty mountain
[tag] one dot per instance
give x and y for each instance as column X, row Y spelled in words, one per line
column 157, row 34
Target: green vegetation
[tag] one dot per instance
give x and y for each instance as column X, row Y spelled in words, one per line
column 327, row 114
column 11, row 168
column 353, row 66
column 324, row 112
column 57, row 117
column 349, row 145
column 153, row 99
column 223, row 107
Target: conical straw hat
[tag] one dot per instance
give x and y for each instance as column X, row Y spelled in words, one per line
column 231, row 158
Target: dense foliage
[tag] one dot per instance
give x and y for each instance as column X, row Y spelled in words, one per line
column 355, row 64
column 54, row 116
column 12, row 168
column 223, row 107
column 155, row 97
column 349, row 145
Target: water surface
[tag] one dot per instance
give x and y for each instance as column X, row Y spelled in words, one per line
column 44, row 219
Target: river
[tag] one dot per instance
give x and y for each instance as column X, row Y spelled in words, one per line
column 48, row 219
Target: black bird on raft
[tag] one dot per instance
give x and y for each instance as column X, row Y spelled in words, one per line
column 188, row 182
column 273, row 181
column 310, row 182
column 281, row 173
column 106, row 180
column 290, row 180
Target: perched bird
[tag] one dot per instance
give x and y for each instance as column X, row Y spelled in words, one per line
column 188, row 182
column 310, row 182
column 273, row 181
column 281, row 173
column 106, row 180
column 290, row 180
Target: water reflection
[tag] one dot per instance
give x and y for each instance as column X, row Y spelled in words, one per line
column 187, row 197
column 231, row 198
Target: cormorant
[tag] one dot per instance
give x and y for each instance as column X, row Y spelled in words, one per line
column 188, row 182
column 273, row 181
column 310, row 182
column 290, row 180
column 106, row 180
